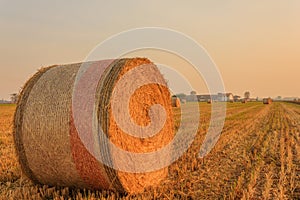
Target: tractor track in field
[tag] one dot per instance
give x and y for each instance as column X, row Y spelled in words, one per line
column 257, row 157
column 213, row 169
column 275, row 174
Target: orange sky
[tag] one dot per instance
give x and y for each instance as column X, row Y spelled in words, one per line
column 255, row 44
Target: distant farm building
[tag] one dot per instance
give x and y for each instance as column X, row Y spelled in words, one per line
column 236, row 98
column 2, row 101
column 225, row 97
column 206, row 97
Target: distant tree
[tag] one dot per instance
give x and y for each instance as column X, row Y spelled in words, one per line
column 193, row 92
column 247, row 95
column 181, row 96
column 14, row 97
column 279, row 97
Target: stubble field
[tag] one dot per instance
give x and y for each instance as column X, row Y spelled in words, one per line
column 256, row 157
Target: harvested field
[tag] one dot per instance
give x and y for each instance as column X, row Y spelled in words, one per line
column 256, row 157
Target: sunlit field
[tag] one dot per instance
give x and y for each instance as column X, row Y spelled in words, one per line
column 256, row 157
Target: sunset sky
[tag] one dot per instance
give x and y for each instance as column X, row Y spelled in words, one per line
column 255, row 44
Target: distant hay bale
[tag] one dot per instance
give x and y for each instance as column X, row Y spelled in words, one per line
column 176, row 102
column 267, row 101
column 48, row 145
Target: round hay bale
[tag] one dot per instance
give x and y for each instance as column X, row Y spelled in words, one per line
column 49, row 147
column 267, row 101
column 175, row 102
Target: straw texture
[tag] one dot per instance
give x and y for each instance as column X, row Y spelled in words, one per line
column 47, row 142
column 176, row 102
